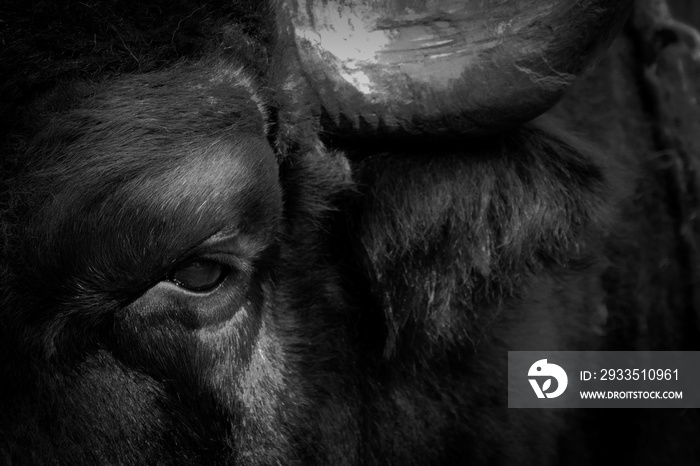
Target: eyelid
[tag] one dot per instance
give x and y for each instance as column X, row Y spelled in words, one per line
column 231, row 248
column 227, row 259
column 226, row 242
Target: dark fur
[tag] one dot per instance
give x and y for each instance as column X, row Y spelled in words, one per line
column 378, row 291
column 489, row 245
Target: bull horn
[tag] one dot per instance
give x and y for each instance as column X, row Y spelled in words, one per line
column 444, row 66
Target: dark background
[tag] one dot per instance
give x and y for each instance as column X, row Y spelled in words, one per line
column 687, row 11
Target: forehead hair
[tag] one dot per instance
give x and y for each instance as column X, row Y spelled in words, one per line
column 93, row 137
column 141, row 123
column 149, row 113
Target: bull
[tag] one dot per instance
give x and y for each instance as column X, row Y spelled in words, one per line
column 312, row 236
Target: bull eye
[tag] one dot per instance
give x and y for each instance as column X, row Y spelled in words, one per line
column 199, row 275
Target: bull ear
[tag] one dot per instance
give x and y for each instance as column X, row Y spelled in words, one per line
column 430, row 67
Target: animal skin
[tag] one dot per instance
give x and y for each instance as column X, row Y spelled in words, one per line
column 193, row 273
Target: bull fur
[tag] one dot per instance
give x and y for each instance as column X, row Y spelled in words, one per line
column 389, row 283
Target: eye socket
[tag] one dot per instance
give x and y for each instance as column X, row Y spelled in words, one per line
column 199, row 275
